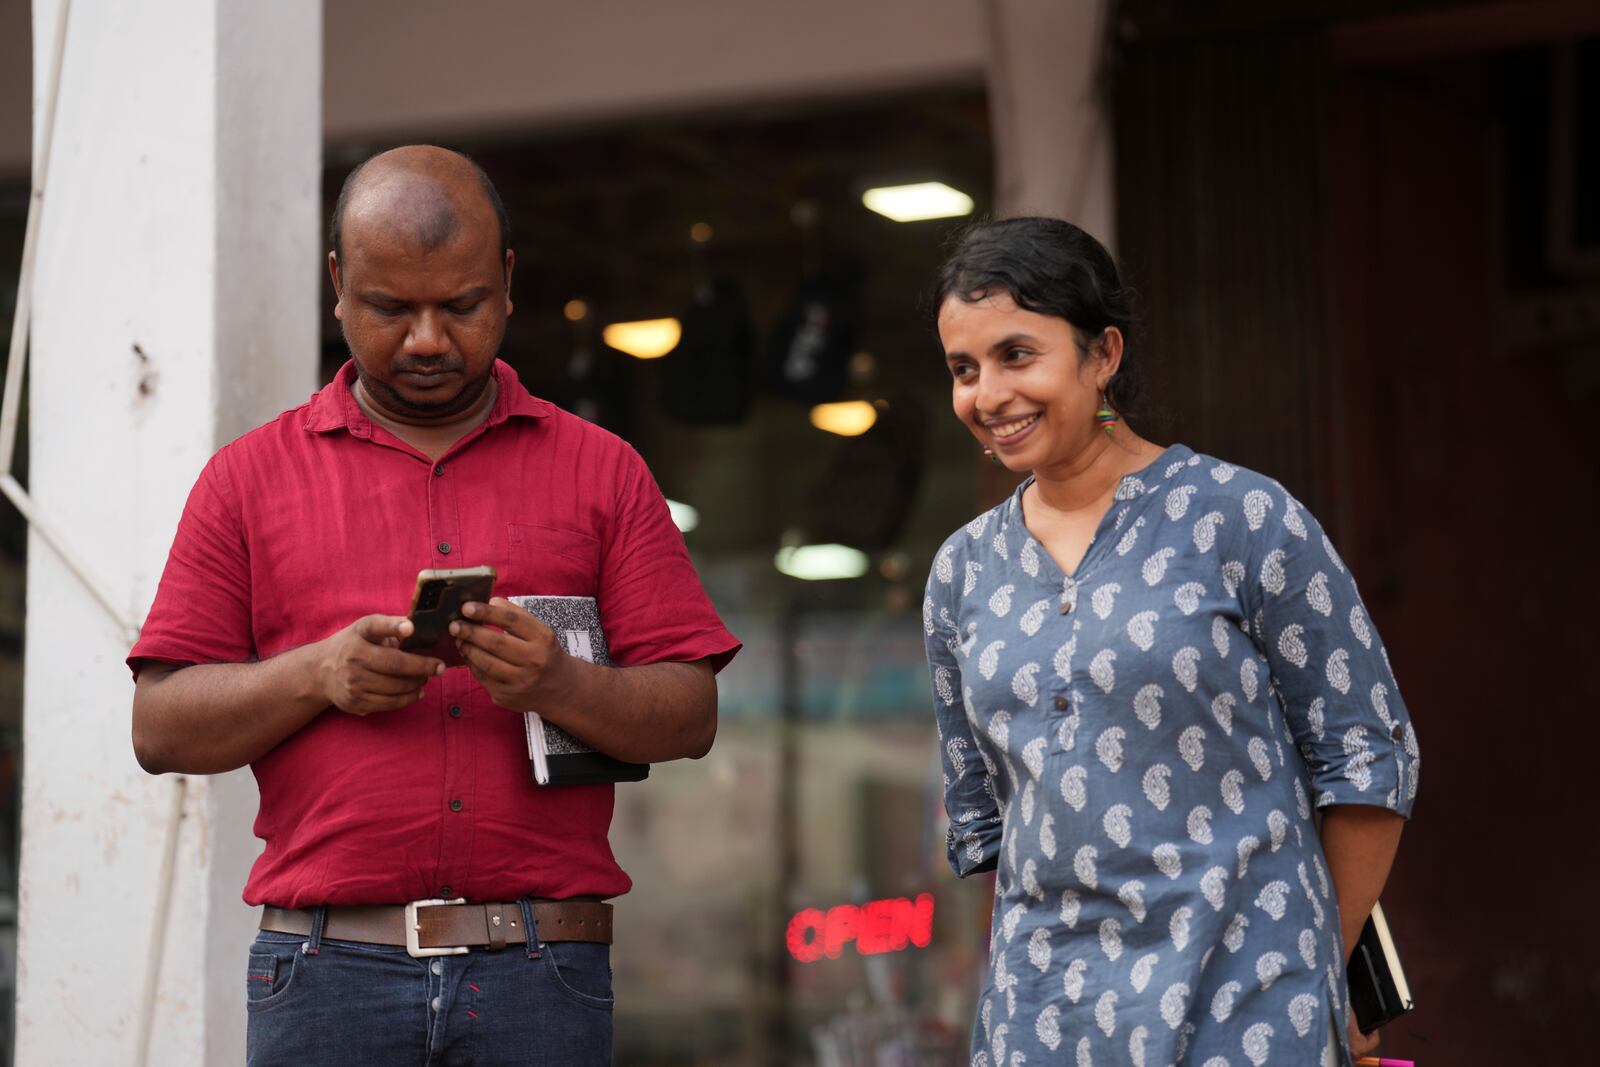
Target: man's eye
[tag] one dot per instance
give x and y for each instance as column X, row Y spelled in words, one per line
column 465, row 309
column 387, row 312
column 1014, row 354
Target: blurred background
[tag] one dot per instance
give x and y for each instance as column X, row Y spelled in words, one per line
column 1366, row 239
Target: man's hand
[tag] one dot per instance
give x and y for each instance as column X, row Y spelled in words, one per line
column 361, row 670
column 513, row 654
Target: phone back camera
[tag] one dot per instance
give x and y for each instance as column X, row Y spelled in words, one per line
column 429, row 598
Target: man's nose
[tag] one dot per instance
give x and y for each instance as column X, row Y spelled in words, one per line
column 427, row 336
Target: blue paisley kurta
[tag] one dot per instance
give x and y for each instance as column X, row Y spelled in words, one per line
column 1138, row 748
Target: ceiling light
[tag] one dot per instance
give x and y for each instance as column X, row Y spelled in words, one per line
column 848, row 418
column 820, row 563
column 913, row 203
column 645, row 339
column 575, row 310
column 700, row 233
column 684, row 517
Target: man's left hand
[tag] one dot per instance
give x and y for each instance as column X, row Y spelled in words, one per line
column 514, row 655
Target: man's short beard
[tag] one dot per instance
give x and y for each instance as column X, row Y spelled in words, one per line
column 386, row 397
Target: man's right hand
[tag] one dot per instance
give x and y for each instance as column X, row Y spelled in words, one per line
column 361, row 670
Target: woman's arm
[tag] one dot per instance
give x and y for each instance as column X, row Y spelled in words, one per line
column 1360, row 844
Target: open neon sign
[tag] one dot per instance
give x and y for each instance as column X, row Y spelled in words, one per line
column 877, row 926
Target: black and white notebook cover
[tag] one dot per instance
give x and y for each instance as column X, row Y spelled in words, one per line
column 558, row 758
column 1379, row 992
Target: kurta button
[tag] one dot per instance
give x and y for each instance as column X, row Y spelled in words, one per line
column 444, row 548
column 455, row 711
column 1061, row 703
column 455, row 803
column 1397, row 733
column 438, row 470
column 444, row 891
column 1066, row 606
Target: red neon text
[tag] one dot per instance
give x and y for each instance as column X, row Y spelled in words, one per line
column 877, row 926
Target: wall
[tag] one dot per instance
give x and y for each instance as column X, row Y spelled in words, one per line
column 175, row 303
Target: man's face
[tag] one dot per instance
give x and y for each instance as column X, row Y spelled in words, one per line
column 423, row 325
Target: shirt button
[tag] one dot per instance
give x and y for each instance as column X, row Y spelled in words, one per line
column 455, row 711
column 438, row 470
column 1397, row 733
column 444, row 548
column 438, row 968
column 434, row 1003
column 444, row 891
column 455, row 803
column 1061, row 703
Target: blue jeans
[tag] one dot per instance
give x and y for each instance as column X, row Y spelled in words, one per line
column 315, row 1001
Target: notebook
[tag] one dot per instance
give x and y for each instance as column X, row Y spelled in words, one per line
column 1378, row 990
column 558, row 758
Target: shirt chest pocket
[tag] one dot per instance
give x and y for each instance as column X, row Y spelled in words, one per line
column 550, row 561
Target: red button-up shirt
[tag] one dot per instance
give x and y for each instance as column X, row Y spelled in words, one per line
column 319, row 517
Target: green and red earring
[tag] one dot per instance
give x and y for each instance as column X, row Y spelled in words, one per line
column 1106, row 418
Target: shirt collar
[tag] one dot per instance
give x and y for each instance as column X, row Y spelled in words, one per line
column 334, row 407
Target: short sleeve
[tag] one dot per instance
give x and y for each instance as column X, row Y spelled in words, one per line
column 651, row 601
column 202, row 610
column 973, row 842
column 1329, row 666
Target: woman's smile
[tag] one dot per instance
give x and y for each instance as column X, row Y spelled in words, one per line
column 1011, row 432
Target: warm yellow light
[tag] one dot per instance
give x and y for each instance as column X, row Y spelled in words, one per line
column 914, row 203
column 575, row 310
column 645, row 339
column 700, row 233
column 848, row 418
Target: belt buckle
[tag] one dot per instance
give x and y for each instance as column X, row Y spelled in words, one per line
column 415, row 950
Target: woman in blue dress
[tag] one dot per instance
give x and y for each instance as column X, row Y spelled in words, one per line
column 1150, row 668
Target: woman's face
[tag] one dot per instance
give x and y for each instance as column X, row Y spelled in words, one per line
column 1018, row 381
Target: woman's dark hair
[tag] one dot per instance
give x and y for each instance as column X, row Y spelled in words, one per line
column 1050, row 267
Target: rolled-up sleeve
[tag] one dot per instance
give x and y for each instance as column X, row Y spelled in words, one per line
column 973, row 842
column 1329, row 665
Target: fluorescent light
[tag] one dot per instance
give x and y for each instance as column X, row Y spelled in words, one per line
column 684, row 517
column 848, row 418
column 820, row 563
column 913, row 203
column 645, row 339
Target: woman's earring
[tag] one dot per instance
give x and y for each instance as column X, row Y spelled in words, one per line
column 1105, row 418
column 988, row 454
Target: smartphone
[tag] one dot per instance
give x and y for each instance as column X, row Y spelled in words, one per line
column 436, row 603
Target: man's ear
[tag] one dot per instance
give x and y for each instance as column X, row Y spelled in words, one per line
column 338, row 286
column 511, row 262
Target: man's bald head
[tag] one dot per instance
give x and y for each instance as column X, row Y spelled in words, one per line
column 422, row 188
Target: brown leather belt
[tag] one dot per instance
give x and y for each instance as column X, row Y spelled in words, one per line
column 439, row 928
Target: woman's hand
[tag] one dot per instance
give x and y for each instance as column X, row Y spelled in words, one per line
column 1360, row 1044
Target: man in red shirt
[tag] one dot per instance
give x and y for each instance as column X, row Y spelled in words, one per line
column 386, row 778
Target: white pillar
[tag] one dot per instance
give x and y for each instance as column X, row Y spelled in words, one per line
column 1049, row 112
column 175, row 306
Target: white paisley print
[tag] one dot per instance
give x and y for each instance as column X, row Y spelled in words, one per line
column 1139, row 760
